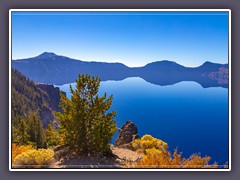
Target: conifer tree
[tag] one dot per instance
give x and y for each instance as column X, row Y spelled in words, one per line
column 86, row 123
column 52, row 136
column 36, row 132
column 23, row 132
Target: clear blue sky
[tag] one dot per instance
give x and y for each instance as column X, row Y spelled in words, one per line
column 135, row 39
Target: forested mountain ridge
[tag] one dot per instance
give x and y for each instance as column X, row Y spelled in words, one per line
column 28, row 96
column 50, row 68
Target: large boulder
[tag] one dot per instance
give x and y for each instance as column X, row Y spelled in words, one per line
column 127, row 134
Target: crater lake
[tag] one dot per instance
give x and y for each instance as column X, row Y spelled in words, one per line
column 185, row 115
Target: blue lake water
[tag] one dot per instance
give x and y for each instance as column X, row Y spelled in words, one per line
column 185, row 115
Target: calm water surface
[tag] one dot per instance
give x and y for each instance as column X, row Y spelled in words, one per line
column 184, row 115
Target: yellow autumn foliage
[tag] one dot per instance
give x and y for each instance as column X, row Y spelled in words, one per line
column 156, row 155
column 16, row 150
column 155, row 158
column 33, row 158
column 196, row 161
column 149, row 142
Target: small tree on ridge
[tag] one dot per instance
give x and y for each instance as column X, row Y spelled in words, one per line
column 86, row 126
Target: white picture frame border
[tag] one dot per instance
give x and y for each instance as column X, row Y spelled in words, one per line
column 120, row 10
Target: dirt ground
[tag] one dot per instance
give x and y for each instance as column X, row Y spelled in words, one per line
column 118, row 161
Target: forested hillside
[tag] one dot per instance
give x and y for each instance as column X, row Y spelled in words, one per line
column 32, row 109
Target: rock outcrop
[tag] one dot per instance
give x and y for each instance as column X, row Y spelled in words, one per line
column 53, row 95
column 127, row 134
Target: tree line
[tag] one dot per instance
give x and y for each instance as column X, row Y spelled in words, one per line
column 85, row 125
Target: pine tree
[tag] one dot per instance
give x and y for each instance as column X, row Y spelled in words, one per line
column 36, row 132
column 23, row 132
column 52, row 136
column 85, row 122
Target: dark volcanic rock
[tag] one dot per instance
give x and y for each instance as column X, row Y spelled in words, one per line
column 46, row 115
column 53, row 94
column 127, row 134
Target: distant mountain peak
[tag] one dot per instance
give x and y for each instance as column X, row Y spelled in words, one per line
column 208, row 62
column 57, row 69
column 163, row 63
column 211, row 63
column 47, row 55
